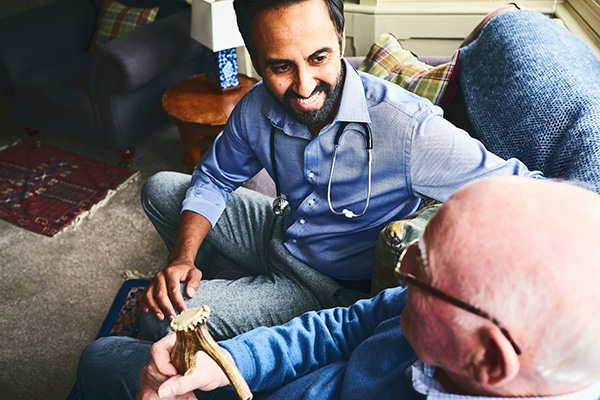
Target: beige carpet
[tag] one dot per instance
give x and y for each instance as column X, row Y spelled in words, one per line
column 55, row 292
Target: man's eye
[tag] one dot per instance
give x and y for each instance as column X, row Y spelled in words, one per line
column 279, row 69
column 319, row 59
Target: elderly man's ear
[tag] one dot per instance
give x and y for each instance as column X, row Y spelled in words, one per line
column 495, row 362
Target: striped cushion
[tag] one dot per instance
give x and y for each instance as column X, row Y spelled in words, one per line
column 116, row 19
column 387, row 59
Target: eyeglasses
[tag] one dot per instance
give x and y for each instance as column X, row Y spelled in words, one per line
column 404, row 279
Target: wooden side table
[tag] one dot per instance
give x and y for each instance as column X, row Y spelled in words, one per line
column 200, row 112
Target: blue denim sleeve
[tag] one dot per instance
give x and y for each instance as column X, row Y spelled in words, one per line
column 271, row 357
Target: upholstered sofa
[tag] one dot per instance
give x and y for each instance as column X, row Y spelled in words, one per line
column 111, row 95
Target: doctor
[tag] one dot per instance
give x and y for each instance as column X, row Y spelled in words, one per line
column 393, row 149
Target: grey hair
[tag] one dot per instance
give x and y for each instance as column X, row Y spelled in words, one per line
column 565, row 347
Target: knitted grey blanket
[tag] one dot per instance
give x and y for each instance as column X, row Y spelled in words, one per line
column 532, row 91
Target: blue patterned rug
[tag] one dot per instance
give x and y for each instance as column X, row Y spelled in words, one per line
column 123, row 317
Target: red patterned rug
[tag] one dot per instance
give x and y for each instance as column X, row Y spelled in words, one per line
column 47, row 189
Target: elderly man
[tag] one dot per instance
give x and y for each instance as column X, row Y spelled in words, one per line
column 501, row 301
column 312, row 111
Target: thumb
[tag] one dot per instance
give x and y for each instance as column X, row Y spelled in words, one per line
column 205, row 376
column 176, row 386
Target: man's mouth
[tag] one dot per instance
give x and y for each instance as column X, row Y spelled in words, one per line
column 314, row 109
column 308, row 100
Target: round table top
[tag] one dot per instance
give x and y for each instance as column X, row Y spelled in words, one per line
column 195, row 100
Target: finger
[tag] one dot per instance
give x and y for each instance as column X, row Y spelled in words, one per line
column 148, row 386
column 143, row 392
column 161, row 355
column 143, row 302
column 147, row 298
column 174, row 280
column 177, row 386
column 206, row 376
column 193, row 282
column 162, row 304
column 151, row 304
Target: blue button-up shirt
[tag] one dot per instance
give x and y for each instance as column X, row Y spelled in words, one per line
column 416, row 153
column 424, row 383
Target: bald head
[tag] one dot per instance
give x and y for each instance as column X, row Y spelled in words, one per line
column 528, row 252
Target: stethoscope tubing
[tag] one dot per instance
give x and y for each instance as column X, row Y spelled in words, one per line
column 281, row 205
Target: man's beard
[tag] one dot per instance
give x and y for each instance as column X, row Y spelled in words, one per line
column 319, row 115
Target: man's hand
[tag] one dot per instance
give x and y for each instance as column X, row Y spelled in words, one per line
column 159, row 379
column 165, row 288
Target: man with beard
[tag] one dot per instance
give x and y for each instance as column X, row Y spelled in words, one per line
column 393, row 149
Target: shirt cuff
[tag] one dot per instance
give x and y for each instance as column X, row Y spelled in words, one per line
column 204, row 202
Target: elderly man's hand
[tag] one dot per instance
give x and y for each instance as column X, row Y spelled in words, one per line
column 160, row 380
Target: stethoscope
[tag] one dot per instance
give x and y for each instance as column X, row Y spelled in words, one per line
column 281, row 205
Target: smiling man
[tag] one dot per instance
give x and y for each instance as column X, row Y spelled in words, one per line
column 391, row 148
column 298, row 55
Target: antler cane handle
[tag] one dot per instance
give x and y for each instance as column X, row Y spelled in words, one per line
column 193, row 336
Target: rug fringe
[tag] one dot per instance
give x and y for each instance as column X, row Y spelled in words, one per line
column 135, row 274
column 16, row 142
column 89, row 213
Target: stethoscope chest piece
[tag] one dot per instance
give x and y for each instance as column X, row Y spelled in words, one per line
column 281, row 206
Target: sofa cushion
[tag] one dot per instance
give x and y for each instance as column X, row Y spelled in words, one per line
column 60, row 90
column 392, row 241
column 165, row 7
column 116, row 19
column 387, row 59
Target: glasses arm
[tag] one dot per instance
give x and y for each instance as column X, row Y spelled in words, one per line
column 411, row 279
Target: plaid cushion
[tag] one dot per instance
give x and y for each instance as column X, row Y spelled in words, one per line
column 388, row 60
column 116, row 19
column 392, row 241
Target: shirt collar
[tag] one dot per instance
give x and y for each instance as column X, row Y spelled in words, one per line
column 352, row 106
column 424, row 383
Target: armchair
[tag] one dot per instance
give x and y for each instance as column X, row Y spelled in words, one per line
column 112, row 96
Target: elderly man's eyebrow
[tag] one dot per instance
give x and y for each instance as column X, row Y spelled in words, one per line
column 277, row 61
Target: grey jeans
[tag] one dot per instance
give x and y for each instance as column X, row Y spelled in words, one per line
column 276, row 287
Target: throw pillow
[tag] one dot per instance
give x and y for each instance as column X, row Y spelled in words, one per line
column 116, row 19
column 387, row 59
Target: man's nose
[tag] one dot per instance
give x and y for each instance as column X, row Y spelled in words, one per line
column 305, row 82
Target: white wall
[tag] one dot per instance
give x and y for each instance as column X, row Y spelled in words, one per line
column 437, row 27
